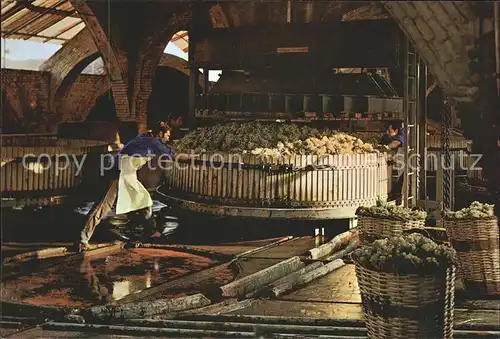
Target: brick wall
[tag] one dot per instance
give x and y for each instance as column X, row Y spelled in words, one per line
column 81, row 98
column 24, row 87
column 27, row 93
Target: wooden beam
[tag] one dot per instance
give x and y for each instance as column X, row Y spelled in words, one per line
column 64, row 30
column 14, row 10
column 47, row 38
column 28, row 22
column 179, row 36
column 54, row 11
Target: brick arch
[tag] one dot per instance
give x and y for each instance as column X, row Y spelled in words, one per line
column 179, row 64
column 66, row 64
column 103, row 85
column 81, row 108
column 131, row 87
column 154, row 48
column 62, row 91
column 109, row 56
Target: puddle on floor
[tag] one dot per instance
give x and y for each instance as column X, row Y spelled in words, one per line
column 98, row 280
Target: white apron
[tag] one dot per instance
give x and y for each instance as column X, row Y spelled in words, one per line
column 132, row 195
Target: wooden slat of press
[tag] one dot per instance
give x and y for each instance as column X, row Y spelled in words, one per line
column 206, row 178
column 225, row 178
column 360, row 178
column 184, row 171
column 255, row 179
column 187, row 177
column 214, row 178
column 179, row 183
column 245, row 177
column 179, row 177
column 325, row 179
column 375, row 179
column 295, row 178
column 175, row 177
column 212, row 181
column 339, row 178
column 203, row 180
column 233, row 177
column 241, row 180
column 30, row 175
column 3, row 173
column 314, row 184
column 355, row 177
column 70, row 178
column 19, row 170
column 335, row 180
column 192, row 178
column 9, row 168
column 58, row 182
column 226, row 175
column 217, row 182
column 33, row 175
column 252, row 178
column 347, row 179
column 329, row 180
column 201, row 171
column 13, row 171
column 352, row 176
column 52, row 172
column 303, row 179
column 290, row 178
column 196, row 180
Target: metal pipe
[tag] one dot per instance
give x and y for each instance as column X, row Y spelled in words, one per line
column 496, row 6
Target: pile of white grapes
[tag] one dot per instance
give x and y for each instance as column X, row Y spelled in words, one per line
column 272, row 139
column 476, row 210
column 406, row 254
column 383, row 210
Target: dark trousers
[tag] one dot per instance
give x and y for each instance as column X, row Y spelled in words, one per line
column 105, row 205
column 397, row 185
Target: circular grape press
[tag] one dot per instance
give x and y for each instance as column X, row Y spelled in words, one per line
column 320, row 175
column 44, row 170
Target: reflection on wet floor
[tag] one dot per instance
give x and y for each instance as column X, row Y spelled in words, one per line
column 83, row 282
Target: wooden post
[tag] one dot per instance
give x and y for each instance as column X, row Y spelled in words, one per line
column 206, row 84
column 193, row 79
column 422, row 129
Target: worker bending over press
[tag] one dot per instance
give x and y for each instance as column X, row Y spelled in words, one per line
column 121, row 184
column 394, row 139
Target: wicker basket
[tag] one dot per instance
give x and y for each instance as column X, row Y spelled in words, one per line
column 477, row 244
column 371, row 228
column 407, row 306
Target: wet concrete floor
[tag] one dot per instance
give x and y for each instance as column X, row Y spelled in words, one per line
column 79, row 282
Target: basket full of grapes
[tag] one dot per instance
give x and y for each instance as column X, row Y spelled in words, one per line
column 407, row 286
column 384, row 220
column 473, row 232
